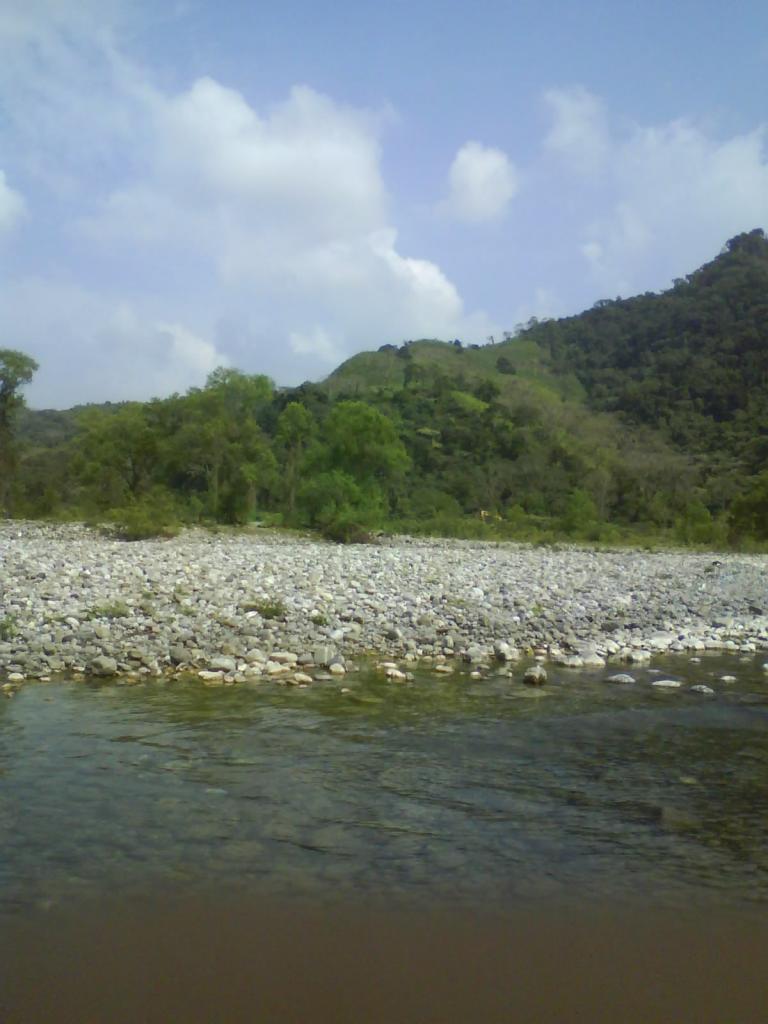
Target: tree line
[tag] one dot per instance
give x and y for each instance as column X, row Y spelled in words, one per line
column 644, row 418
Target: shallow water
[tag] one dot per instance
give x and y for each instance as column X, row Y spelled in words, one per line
column 486, row 797
column 484, row 790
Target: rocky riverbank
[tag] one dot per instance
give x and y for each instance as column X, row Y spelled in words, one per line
column 240, row 606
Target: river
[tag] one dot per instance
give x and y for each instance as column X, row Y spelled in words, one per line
column 576, row 830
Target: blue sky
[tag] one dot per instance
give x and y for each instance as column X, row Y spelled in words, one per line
column 278, row 186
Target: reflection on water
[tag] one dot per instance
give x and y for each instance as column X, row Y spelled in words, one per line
column 483, row 792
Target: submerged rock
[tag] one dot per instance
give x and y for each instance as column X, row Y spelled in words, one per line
column 536, row 675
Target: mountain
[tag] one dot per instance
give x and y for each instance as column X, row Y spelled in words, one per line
column 691, row 362
column 646, row 415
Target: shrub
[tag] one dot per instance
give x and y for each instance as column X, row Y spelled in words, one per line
column 152, row 516
column 8, row 627
column 110, row 610
column 268, row 608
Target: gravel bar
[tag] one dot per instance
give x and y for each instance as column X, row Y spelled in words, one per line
column 237, row 606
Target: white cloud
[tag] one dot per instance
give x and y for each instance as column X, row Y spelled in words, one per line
column 663, row 198
column 202, row 207
column 482, row 181
column 104, row 349
column 12, row 205
column 579, row 130
column 315, row 342
column 289, row 207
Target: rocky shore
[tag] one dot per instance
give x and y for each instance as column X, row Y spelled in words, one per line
column 242, row 606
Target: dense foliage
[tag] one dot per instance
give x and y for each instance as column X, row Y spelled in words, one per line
column 646, row 416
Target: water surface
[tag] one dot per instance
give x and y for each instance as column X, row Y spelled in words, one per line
column 508, row 810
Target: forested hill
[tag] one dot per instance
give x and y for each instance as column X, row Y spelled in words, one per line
column 643, row 417
column 691, row 361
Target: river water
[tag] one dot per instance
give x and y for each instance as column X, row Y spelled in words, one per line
column 446, row 816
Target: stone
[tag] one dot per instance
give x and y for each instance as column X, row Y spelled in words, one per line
column 568, row 660
column 178, row 655
column 667, row 684
column 621, row 678
column 336, row 669
column 591, row 659
column 638, row 656
column 505, row 651
column 103, row 666
column 702, row 688
column 536, row 675
column 396, row 675
column 222, row 663
column 474, row 654
column 322, row 654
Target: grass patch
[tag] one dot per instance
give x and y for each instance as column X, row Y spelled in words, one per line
column 268, row 608
column 9, row 627
column 109, row 610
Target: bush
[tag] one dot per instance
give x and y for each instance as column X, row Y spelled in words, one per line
column 110, row 610
column 8, row 627
column 341, row 509
column 268, row 608
column 152, row 516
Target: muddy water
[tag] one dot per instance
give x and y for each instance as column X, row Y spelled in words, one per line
column 447, row 850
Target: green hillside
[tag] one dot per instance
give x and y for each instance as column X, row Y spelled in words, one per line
column 640, row 418
column 393, row 367
column 691, row 361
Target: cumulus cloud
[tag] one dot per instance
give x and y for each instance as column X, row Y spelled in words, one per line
column 117, row 350
column 289, row 206
column 579, row 129
column 663, row 198
column 12, row 205
column 315, row 342
column 204, row 208
column 482, row 181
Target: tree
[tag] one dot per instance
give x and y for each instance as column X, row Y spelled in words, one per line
column 749, row 513
column 295, row 428
column 16, row 370
column 219, row 446
column 351, row 471
column 363, row 442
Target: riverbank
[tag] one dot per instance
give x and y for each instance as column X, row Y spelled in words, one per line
column 238, row 607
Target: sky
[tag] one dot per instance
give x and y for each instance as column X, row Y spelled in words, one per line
column 276, row 186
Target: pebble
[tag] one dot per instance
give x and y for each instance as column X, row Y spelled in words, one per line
column 187, row 603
